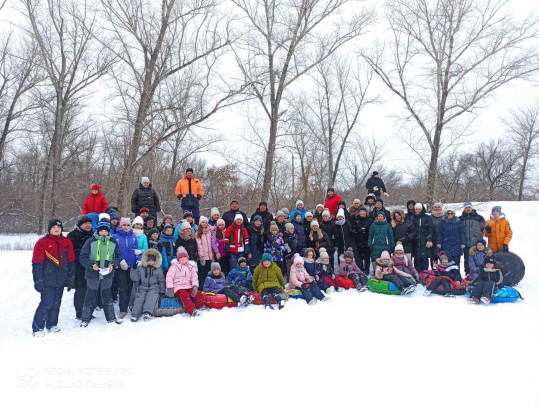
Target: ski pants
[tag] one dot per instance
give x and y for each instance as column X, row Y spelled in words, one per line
column 95, row 288
column 312, row 292
column 48, row 309
column 440, row 281
column 187, row 300
column 125, row 284
column 399, row 281
column 234, row 292
column 482, row 288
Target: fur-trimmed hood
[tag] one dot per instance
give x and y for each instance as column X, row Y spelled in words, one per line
column 379, row 263
column 473, row 251
column 158, row 258
column 401, row 212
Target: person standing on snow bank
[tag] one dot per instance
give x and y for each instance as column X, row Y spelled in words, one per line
column 96, row 202
column 375, row 185
column 145, row 197
column 53, row 268
column 332, row 201
column 498, row 231
column 189, row 191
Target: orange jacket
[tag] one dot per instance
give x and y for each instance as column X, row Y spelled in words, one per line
column 500, row 233
column 183, row 187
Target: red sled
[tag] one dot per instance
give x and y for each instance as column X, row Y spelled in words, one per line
column 457, row 287
column 218, row 301
column 344, row 282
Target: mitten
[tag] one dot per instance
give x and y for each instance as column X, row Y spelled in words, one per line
column 194, row 292
column 170, row 292
column 138, row 264
column 462, row 246
column 124, row 265
column 505, row 248
column 488, row 229
column 137, row 252
column 386, row 195
column 39, row 285
column 202, row 261
column 70, row 284
column 429, row 244
column 375, row 188
column 439, row 246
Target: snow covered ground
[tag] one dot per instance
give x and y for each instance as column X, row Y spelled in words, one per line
column 356, row 348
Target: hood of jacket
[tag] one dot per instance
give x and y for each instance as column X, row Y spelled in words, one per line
column 158, row 258
column 401, row 212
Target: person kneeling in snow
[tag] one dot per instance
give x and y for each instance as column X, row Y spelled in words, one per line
column 324, row 268
column 489, row 280
column 269, row 281
column 53, row 268
column 215, row 283
column 182, row 282
column 241, row 275
column 149, row 283
column 300, row 279
column 348, row 269
column 386, row 271
column 444, row 269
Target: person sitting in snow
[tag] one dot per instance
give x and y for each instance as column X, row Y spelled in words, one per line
column 310, row 266
column 148, row 283
column 478, row 253
column 182, row 282
column 386, row 271
column 324, row 269
column 486, row 284
column 301, row 280
column 448, row 268
column 53, row 268
column 442, row 270
column 241, row 275
column 215, row 283
column 348, row 269
column 402, row 262
column 269, row 281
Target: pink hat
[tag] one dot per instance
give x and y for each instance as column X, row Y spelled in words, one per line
column 202, row 219
column 221, row 221
column 182, row 253
column 298, row 259
column 124, row 221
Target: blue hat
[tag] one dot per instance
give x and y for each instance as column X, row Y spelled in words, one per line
column 257, row 218
column 468, row 204
column 497, row 208
column 481, row 240
column 103, row 225
column 379, row 199
column 266, row 257
column 114, row 215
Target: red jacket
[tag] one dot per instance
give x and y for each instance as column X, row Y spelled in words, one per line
column 237, row 243
column 332, row 203
column 95, row 203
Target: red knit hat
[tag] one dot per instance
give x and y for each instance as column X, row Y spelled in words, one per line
column 96, row 187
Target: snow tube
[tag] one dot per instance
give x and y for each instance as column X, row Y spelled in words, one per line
column 258, row 298
column 344, row 282
column 383, row 287
column 457, row 287
column 512, row 267
column 295, row 293
column 168, row 306
column 218, row 301
column 504, row 294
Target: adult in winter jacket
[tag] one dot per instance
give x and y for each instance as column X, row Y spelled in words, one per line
column 300, row 208
column 309, row 217
column 230, row 215
column 78, row 236
column 473, row 230
column 363, row 224
column 53, row 268
column 380, row 237
column 423, row 238
column 403, row 231
column 477, row 255
column 498, row 231
column 148, row 283
column 375, row 185
column 319, row 239
column 189, row 191
column 354, row 208
column 346, row 234
column 145, row 197
column 436, row 216
column 96, row 202
column 486, row 284
column 130, row 252
column 410, row 205
column 318, row 213
column 369, row 204
column 332, row 201
column 299, row 230
column 205, row 251
column 328, row 227
column 379, row 207
column 99, row 256
column 269, row 281
column 264, row 214
column 451, row 238
column 186, row 239
column 237, row 241
column 256, row 240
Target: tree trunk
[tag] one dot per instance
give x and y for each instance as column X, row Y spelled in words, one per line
column 431, row 180
column 268, row 171
column 522, row 176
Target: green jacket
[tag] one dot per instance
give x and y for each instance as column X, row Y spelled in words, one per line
column 267, row 278
column 380, row 238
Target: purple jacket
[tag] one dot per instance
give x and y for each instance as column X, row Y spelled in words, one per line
column 214, row 284
column 218, row 245
column 345, row 269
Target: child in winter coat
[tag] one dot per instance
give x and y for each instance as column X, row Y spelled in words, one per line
column 149, row 284
column 498, row 231
column 154, row 242
column 218, row 245
column 478, row 253
column 241, row 275
column 215, row 283
column 489, row 280
column 237, row 241
column 205, row 251
column 310, row 266
column 138, row 225
column 182, row 282
column 169, row 246
column 402, row 262
column 348, row 269
column 167, row 219
column 290, row 245
column 300, row 279
column 448, row 268
column 386, row 271
column 275, row 245
column 269, row 281
column 257, row 237
column 324, row 270
column 442, row 277
column 96, row 202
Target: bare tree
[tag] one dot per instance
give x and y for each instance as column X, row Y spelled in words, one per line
column 523, row 129
column 447, row 58
column 64, row 31
column 166, row 79
column 284, row 40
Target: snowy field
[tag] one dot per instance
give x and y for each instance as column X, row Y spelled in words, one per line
column 356, row 348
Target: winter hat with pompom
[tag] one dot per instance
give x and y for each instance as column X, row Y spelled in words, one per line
column 340, row 213
column 214, row 211
column 138, row 220
column 298, row 259
column 314, row 222
column 323, row 253
column 202, row 219
column 220, row 221
column 385, row 255
column 399, row 247
column 238, row 216
column 274, row 227
column 182, row 253
column 185, row 226
column 288, row 226
column 349, row 253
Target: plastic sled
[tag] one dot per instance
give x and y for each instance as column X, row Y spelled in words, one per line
column 383, row 287
column 512, row 267
column 218, row 301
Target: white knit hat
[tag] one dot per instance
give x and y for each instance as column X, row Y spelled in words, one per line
column 308, row 214
column 314, row 222
column 326, row 213
column 103, row 216
column 340, row 213
column 214, row 211
column 138, row 220
column 399, row 247
column 238, row 216
column 418, row 206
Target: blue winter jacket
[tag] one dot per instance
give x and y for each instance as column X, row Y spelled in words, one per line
column 299, row 230
column 451, row 236
column 168, row 249
column 477, row 260
column 127, row 242
column 240, row 276
column 212, row 284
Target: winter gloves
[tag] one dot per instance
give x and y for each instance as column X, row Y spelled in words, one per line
column 202, row 261
column 386, row 195
column 138, row 252
column 70, row 284
column 429, row 244
column 124, row 265
column 488, row 229
column 39, row 285
column 194, row 292
column 505, row 248
column 462, row 246
column 439, row 246
column 170, row 293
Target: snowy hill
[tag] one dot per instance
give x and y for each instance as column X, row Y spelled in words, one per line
column 356, row 348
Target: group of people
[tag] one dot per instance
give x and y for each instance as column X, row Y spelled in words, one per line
column 108, row 258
